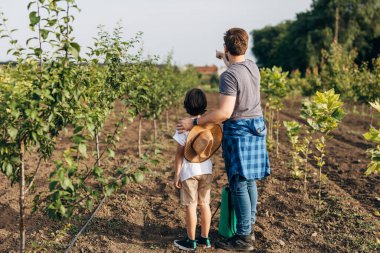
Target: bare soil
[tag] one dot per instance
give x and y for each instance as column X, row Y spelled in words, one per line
column 147, row 217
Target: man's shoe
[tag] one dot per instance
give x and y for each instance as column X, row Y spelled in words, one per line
column 236, row 243
column 186, row 244
column 205, row 242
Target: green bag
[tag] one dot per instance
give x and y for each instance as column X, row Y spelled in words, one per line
column 227, row 221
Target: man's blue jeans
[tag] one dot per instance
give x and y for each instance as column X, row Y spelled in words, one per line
column 244, row 198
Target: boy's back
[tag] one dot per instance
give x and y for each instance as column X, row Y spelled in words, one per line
column 191, row 169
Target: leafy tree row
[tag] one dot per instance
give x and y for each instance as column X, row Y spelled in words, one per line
column 339, row 71
column 297, row 44
column 53, row 87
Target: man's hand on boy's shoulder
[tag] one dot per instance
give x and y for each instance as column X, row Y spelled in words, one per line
column 184, row 125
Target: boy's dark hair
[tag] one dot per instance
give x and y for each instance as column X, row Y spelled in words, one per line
column 236, row 41
column 195, row 102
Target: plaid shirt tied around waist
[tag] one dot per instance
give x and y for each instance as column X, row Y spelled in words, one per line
column 244, row 148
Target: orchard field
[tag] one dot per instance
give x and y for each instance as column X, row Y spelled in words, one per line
column 86, row 148
column 146, row 217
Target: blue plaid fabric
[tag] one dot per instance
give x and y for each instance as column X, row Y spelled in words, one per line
column 244, row 148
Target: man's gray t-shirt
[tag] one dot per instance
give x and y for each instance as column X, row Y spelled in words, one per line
column 242, row 79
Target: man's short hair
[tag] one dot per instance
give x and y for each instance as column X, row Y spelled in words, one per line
column 195, row 102
column 236, row 41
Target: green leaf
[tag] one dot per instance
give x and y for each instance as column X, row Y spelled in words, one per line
column 144, row 169
column 109, row 189
column 52, row 185
column 125, row 180
column 38, row 52
column 12, row 132
column 154, row 162
column 33, row 18
column 44, row 33
column 89, row 204
column 111, row 153
column 138, row 177
column 78, row 129
column 67, row 184
column 30, row 4
column 82, row 148
column 8, row 170
column 78, row 138
column 61, row 175
column 372, row 135
column 98, row 171
column 62, row 210
column 52, row 22
column 74, row 49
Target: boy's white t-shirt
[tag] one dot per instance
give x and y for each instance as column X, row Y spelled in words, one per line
column 191, row 169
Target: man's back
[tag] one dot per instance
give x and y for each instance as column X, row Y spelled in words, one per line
column 242, row 79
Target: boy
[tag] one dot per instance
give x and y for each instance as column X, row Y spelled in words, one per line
column 193, row 170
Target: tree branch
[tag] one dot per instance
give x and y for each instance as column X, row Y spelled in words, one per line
column 34, row 176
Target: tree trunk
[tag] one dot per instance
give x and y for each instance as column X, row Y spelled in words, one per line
column 271, row 124
column 97, row 147
column 22, row 198
column 155, row 130
column 336, row 36
column 277, row 132
column 305, row 172
column 167, row 120
column 265, row 112
column 320, row 187
column 139, row 143
column 320, row 178
column 305, row 183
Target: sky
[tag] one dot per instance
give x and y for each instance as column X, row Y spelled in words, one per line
column 191, row 29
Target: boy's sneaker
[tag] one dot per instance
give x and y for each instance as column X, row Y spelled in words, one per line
column 205, row 242
column 236, row 243
column 186, row 244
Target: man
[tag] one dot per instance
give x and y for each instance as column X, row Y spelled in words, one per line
column 244, row 132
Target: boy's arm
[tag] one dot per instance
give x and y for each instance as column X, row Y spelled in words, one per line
column 178, row 165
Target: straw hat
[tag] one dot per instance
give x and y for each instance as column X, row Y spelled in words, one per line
column 202, row 142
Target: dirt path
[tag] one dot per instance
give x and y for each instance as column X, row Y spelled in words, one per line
column 147, row 217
